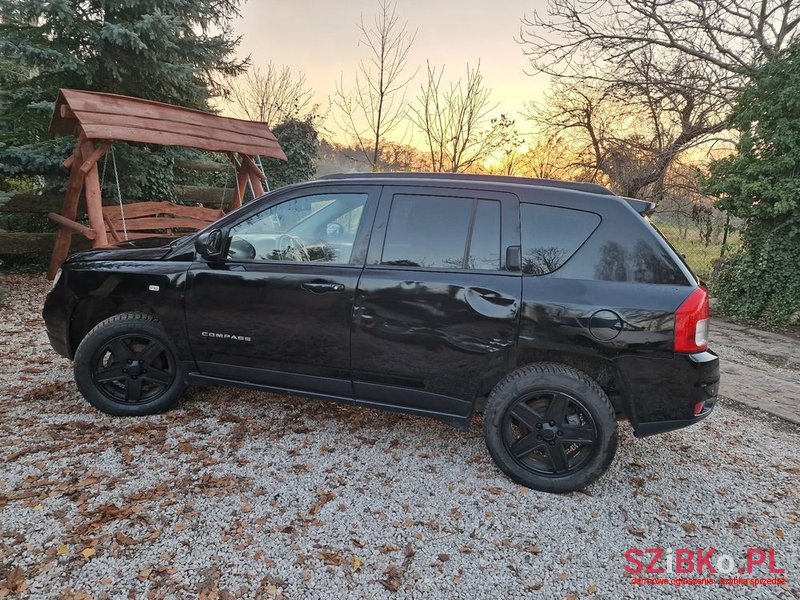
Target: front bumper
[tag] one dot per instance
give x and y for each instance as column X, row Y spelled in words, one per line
column 56, row 313
column 662, row 393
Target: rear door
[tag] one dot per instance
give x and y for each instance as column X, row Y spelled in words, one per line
column 436, row 309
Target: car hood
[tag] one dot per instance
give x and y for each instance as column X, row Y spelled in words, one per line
column 151, row 248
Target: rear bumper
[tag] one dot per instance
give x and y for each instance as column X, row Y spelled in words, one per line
column 654, row 427
column 662, row 393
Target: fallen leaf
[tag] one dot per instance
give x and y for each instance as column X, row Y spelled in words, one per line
column 637, row 531
column 88, row 552
column 688, row 527
column 392, row 578
column 779, row 533
column 534, row 550
column 356, row 563
column 124, row 540
column 15, row 580
column 592, row 589
column 144, row 574
column 331, row 558
column 443, row 557
column 322, row 500
column 63, row 550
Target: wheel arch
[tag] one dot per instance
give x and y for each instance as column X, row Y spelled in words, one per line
column 92, row 310
column 600, row 369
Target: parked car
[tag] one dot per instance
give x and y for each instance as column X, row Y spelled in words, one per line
column 554, row 308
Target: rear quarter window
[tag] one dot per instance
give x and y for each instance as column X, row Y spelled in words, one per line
column 551, row 235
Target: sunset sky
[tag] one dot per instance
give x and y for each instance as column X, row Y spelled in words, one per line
column 320, row 38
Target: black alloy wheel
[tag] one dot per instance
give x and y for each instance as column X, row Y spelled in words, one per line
column 127, row 365
column 550, row 433
column 134, row 369
column 550, row 427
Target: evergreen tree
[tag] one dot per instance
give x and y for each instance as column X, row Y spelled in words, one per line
column 300, row 141
column 171, row 51
column 760, row 184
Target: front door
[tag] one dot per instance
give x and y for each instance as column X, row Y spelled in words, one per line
column 277, row 311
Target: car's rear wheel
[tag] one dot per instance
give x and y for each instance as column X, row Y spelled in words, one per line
column 550, row 427
column 127, row 366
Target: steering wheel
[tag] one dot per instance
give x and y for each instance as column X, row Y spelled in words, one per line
column 241, row 249
column 293, row 248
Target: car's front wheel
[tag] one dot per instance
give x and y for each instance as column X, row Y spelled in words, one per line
column 127, row 366
column 550, row 427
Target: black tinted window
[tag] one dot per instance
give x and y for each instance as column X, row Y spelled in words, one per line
column 427, row 231
column 550, row 235
column 484, row 249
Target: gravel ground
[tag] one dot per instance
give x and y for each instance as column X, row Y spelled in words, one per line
column 243, row 494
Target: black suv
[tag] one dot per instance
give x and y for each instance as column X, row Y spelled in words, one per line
column 552, row 307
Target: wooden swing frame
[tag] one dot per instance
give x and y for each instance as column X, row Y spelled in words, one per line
column 98, row 119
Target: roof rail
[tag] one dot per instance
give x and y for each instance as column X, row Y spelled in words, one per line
column 571, row 185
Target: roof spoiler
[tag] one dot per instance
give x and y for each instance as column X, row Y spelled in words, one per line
column 643, row 207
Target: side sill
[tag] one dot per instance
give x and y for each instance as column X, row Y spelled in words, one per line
column 454, row 420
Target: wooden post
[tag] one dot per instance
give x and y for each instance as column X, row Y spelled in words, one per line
column 256, row 176
column 242, row 179
column 258, row 187
column 96, row 154
column 70, row 210
column 94, row 207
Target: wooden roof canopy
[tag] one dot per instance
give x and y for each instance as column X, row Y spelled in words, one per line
column 104, row 116
column 97, row 119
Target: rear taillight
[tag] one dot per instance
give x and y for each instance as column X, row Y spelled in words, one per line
column 691, row 323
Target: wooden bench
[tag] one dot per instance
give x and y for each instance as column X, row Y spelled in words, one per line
column 147, row 219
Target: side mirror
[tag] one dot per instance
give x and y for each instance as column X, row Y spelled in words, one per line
column 209, row 244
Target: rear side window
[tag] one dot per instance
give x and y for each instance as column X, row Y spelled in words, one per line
column 443, row 232
column 551, row 235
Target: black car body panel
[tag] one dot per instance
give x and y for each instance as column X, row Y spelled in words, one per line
column 431, row 340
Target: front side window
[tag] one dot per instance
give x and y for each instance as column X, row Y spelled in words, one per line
column 443, row 232
column 551, row 235
column 318, row 228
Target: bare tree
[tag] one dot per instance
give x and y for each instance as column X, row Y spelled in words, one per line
column 668, row 71
column 272, row 95
column 548, row 157
column 374, row 106
column 730, row 37
column 454, row 120
column 628, row 133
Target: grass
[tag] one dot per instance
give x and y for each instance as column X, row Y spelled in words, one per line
column 699, row 256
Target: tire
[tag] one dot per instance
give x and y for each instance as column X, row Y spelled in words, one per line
column 550, row 427
column 127, row 366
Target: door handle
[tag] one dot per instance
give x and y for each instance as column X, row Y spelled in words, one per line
column 320, row 287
